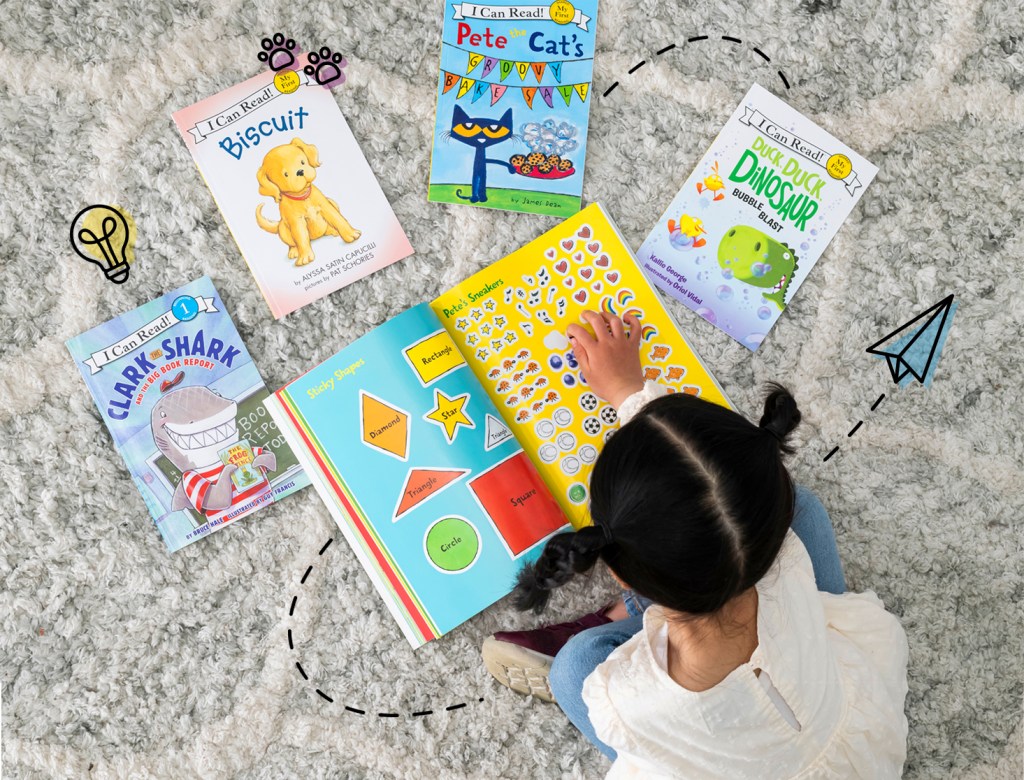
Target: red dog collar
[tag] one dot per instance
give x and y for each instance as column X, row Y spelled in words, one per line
column 304, row 194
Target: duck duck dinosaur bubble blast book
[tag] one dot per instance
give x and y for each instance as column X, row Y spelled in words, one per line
column 450, row 442
column 183, row 402
column 513, row 101
column 753, row 218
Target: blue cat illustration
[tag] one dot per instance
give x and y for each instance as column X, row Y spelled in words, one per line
column 481, row 133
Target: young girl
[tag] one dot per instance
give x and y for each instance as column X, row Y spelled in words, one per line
column 725, row 658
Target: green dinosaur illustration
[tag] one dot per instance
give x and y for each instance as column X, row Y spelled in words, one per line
column 759, row 260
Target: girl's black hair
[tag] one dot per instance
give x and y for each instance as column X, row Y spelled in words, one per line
column 690, row 503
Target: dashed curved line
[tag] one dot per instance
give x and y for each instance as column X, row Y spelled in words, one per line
column 322, row 694
column 695, row 39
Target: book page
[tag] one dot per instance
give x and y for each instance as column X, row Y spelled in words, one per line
column 428, row 485
column 509, row 320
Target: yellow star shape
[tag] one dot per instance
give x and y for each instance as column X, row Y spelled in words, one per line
column 449, row 413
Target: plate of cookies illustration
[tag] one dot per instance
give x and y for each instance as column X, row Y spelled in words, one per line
column 540, row 166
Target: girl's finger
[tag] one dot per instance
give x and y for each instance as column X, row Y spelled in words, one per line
column 579, row 336
column 633, row 322
column 614, row 325
column 584, row 359
column 596, row 321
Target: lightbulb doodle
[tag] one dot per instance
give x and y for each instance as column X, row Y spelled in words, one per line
column 105, row 236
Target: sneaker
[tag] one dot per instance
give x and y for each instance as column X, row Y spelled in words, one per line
column 521, row 660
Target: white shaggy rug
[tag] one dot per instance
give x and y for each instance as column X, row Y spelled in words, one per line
column 119, row 660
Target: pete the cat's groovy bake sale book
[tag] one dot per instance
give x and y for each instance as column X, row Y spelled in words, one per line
column 513, row 101
column 753, row 218
column 184, row 404
column 295, row 189
column 450, row 442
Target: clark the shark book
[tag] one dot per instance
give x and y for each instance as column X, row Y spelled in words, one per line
column 513, row 101
column 294, row 187
column 184, row 404
column 753, row 218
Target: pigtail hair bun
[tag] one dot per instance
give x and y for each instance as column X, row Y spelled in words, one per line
column 781, row 415
column 564, row 555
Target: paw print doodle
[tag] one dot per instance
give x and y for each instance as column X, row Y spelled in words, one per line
column 326, row 67
column 277, row 52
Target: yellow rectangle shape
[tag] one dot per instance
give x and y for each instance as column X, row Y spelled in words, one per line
column 434, row 357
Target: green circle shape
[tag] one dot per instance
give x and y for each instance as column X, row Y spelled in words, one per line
column 577, row 493
column 452, row 544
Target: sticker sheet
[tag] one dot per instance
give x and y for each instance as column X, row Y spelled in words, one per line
column 420, row 471
column 509, row 321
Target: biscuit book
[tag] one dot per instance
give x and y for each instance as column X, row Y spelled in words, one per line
column 183, row 402
column 513, row 101
column 294, row 187
column 750, row 222
column 450, row 442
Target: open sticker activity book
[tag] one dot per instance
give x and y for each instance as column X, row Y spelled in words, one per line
column 184, row 404
column 295, row 189
column 752, row 219
column 451, row 441
column 513, row 105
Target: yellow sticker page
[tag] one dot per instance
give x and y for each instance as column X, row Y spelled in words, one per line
column 509, row 321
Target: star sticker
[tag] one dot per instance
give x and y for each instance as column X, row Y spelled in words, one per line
column 485, row 329
column 472, row 339
column 499, row 322
column 481, row 354
column 476, row 314
column 510, row 337
column 497, row 345
column 462, row 323
column 449, row 413
column 489, row 304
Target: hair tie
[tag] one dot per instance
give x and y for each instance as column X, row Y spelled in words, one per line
column 773, row 432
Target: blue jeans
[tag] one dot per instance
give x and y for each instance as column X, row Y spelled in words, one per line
column 585, row 651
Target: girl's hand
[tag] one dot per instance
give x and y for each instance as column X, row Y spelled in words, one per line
column 609, row 360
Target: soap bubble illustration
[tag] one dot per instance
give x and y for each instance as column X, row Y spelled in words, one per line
column 724, row 292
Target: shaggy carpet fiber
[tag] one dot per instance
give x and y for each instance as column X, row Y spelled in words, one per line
column 119, row 660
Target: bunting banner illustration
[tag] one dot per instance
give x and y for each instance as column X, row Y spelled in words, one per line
column 477, row 88
column 505, row 67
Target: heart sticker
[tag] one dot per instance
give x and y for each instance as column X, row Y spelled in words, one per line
column 612, row 278
column 603, row 261
column 567, row 244
column 578, row 257
column 586, row 273
column 594, row 247
column 549, row 253
column 584, row 232
column 569, row 282
column 597, row 287
column 562, row 266
column 581, row 296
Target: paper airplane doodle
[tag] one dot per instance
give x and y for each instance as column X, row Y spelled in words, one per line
column 912, row 350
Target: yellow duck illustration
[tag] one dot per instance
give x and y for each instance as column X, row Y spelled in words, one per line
column 713, row 183
column 691, row 228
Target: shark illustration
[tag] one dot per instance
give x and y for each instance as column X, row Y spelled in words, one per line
column 191, row 426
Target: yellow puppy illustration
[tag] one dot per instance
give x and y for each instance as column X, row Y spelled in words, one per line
column 307, row 214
